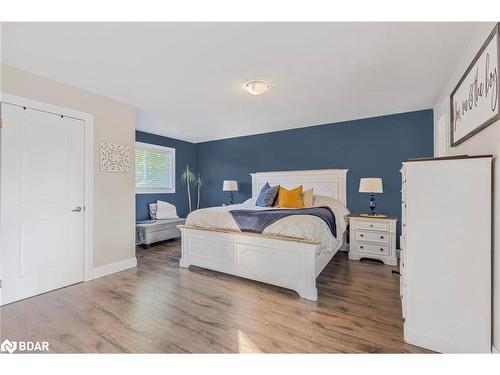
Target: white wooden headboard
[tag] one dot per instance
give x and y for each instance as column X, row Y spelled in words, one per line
column 329, row 182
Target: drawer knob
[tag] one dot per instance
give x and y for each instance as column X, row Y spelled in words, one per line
column 361, row 235
column 381, row 237
column 371, row 225
column 361, row 247
column 381, row 249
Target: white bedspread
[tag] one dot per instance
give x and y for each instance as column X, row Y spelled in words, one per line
column 298, row 226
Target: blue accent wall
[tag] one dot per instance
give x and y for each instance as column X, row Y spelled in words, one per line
column 371, row 147
column 185, row 154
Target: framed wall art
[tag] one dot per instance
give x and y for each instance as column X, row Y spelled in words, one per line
column 114, row 157
column 474, row 103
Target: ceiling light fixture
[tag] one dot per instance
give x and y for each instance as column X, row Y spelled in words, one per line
column 256, row 87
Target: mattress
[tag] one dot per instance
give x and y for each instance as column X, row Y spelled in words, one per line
column 306, row 227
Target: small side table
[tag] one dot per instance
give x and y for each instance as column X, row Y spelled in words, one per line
column 373, row 237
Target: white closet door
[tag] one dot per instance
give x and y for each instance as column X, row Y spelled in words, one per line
column 42, row 195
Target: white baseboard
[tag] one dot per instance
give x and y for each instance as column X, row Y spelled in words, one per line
column 438, row 344
column 108, row 269
column 494, row 350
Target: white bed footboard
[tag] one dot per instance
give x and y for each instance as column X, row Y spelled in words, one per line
column 282, row 262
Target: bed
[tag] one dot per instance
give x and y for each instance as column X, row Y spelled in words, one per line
column 284, row 254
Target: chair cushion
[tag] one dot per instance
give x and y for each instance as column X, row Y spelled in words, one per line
column 157, row 225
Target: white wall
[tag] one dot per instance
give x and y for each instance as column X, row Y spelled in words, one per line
column 114, row 193
column 485, row 142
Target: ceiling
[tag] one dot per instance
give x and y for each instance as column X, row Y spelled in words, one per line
column 185, row 79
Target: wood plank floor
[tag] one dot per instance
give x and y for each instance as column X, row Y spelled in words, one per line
column 160, row 308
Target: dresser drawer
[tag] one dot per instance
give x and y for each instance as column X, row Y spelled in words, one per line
column 379, row 237
column 371, row 225
column 372, row 249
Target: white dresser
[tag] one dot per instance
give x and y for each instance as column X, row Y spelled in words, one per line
column 373, row 237
column 446, row 253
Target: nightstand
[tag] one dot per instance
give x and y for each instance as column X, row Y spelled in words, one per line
column 373, row 237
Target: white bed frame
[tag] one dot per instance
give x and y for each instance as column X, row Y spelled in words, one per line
column 285, row 262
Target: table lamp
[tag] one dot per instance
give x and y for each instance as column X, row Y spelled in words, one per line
column 231, row 186
column 371, row 185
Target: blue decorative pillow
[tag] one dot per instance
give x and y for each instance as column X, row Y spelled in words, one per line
column 267, row 195
column 153, row 207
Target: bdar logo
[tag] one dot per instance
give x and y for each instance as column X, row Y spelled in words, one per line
column 8, row 346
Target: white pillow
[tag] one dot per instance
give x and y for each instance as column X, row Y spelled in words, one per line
column 249, row 202
column 338, row 208
column 165, row 210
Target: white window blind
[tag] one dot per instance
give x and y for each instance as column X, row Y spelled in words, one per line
column 154, row 169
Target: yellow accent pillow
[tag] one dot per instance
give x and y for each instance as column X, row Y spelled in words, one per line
column 290, row 198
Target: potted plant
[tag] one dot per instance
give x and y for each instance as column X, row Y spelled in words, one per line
column 198, row 188
column 192, row 180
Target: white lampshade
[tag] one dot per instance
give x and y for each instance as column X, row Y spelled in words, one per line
column 371, row 185
column 230, row 185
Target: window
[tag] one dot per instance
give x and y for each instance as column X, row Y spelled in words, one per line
column 154, row 169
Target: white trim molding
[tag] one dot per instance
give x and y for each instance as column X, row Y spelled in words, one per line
column 110, row 268
column 88, row 119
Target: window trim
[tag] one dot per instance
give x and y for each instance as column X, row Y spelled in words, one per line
column 171, row 150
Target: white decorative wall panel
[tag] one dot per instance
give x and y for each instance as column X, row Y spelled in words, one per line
column 114, row 157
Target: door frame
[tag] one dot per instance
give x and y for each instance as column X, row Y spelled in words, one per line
column 88, row 120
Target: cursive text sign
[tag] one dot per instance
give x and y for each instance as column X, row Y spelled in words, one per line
column 474, row 104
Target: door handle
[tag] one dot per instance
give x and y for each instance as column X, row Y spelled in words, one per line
column 76, row 209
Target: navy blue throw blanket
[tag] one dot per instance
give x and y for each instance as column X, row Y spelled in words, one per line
column 257, row 220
